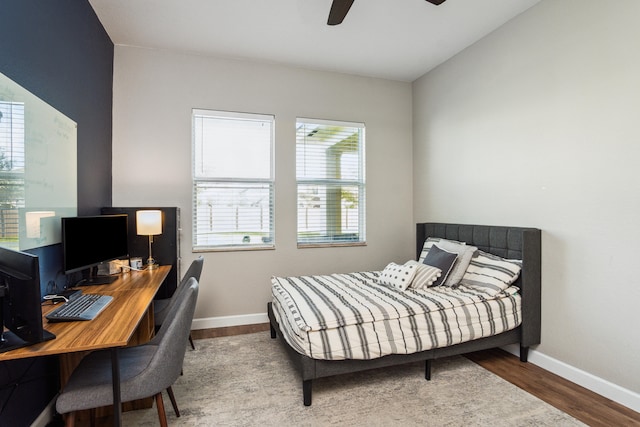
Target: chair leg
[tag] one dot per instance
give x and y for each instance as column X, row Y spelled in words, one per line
column 92, row 417
column 162, row 415
column 191, row 341
column 173, row 401
column 70, row 419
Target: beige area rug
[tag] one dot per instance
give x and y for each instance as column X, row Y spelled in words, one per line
column 247, row 380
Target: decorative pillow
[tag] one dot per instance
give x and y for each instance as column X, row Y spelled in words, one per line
column 398, row 276
column 490, row 273
column 441, row 259
column 428, row 244
column 465, row 253
column 425, row 275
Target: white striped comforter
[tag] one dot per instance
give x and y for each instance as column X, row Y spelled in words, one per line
column 350, row 316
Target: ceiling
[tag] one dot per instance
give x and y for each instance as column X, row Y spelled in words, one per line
column 391, row 39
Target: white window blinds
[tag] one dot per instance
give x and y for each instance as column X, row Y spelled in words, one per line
column 232, row 180
column 331, row 182
column 12, row 170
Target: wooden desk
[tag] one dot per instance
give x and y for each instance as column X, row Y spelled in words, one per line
column 128, row 319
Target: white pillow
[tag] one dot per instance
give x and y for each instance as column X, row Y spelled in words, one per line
column 398, row 276
column 425, row 275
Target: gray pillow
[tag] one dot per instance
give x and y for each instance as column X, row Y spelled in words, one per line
column 441, row 259
column 465, row 253
column 428, row 244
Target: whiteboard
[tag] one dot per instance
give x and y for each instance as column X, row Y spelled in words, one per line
column 38, row 168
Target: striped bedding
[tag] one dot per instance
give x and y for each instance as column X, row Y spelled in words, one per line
column 350, row 316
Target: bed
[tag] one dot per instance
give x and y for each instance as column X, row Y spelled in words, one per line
column 517, row 321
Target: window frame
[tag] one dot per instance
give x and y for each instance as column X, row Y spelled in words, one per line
column 360, row 183
column 226, row 181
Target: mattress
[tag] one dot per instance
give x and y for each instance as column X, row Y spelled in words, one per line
column 351, row 316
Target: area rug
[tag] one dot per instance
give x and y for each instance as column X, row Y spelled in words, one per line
column 247, row 380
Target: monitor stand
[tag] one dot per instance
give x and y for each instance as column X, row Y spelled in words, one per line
column 98, row 280
column 10, row 341
column 92, row 278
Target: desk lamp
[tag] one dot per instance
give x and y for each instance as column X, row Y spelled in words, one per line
column 149, row 223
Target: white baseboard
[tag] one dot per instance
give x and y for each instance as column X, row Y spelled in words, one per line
column 618, row 394
column 223, row 321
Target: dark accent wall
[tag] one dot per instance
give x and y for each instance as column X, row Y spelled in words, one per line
column 59, row 51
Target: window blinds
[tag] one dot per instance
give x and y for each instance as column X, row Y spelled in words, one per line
column 12, row 169
column 233, row 180
column 330, row 182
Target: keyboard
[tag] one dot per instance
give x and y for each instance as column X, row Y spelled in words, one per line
column 82, row 307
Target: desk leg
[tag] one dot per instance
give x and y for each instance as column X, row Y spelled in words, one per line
column 115, row 378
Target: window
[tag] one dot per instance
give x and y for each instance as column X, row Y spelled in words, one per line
column 232, row 180
column 12, row 170
column 331, row 182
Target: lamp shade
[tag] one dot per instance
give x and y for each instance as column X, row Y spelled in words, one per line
column 149, row 223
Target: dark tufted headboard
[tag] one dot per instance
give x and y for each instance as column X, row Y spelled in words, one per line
column 507, row 242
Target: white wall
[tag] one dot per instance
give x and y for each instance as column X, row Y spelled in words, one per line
column 537, row 125
column 154, row 92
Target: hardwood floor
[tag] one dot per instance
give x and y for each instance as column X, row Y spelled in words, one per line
column 582, row 404
column 585, row 405
column 228, row 331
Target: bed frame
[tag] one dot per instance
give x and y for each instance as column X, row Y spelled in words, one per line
column 507, row 242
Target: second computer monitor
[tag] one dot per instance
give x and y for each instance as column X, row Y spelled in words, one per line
column 88, row 241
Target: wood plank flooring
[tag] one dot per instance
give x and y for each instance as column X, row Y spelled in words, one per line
column 582, row 404
column 585, row 405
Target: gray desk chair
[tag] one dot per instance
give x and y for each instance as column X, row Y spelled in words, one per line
column 145, row 370
column 161, row 306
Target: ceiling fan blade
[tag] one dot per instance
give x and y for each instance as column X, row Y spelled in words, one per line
column 339, row 9
column 436, row 2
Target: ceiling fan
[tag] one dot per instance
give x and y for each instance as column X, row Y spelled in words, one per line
column 339, row 9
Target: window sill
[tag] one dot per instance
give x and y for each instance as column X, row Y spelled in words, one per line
column 330, row 245
column 234, row 248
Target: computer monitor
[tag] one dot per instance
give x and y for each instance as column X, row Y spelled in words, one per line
column 20, row 300
column 88, row 241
